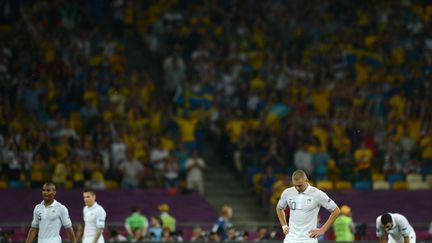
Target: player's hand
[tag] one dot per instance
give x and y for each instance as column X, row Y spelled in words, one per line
column 285, row 229
column 315, row 233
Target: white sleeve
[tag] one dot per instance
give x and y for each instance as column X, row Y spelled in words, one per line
column 100, row 219
column 35, row 221
column 325, row 201
column 283, row 202
column 379, row 228
column 64, row 217
column 403, row 224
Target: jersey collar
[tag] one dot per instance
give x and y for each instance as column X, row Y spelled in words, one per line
column 51, row 205
column 306, row 191
column 92, row 206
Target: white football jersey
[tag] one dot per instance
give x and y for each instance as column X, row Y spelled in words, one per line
column 401, row 227
column 304, row 208
column 49, row 221
column 94, row 218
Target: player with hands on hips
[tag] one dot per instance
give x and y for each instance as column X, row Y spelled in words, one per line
column 304, row 202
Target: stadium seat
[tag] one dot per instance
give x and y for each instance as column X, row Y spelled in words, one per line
column 16, row 184
column 378, row 177
column 111, row 184
column 414, row 177
column 428, row 180
column 324, row 185
column 381, row 185
column 399, row 185
column 3, row 184
column 362, row 185
column 417, row 185
column 343, row 185
column 395, row 177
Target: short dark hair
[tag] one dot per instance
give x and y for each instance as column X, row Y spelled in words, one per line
column 386, row 218
column 89, row 190
column 50, row 184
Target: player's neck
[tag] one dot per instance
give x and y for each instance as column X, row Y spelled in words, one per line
column 48, row 203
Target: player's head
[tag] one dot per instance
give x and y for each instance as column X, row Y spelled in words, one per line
column 387, row 221
column 48, row 191
column 89, row 196
column 300, row 180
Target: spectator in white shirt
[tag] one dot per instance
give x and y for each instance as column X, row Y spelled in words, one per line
column 303, row 159
column 195, row 166
column 132, row 171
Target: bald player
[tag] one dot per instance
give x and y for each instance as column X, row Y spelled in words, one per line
column 304, row 202
column 48, row 217
column 94, row 218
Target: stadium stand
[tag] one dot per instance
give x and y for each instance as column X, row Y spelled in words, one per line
column 101, row 94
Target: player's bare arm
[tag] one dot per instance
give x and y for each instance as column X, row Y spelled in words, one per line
column 320, row 231
column 32, row 234
column 282, row 219
column 71, row 235
column 98, row 234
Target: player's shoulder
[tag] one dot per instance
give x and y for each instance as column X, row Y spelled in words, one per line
column 38, row 206
column 100, row 208
column 314, row 191
column 398, row 217
column 289, row 191
column 60, row 205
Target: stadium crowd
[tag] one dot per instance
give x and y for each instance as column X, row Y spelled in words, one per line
column 339, row 89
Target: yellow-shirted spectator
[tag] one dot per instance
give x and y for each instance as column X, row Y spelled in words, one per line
column 117, row 61
column 156, row 121
column 322, row 135
column 139, row 148
column 398, row 55
column 426, row 147
column 321, row 100
column 338, row 136
column 363, row 158
column 363, row 71
column 257, row 59
column 37, row 172
column 146, row 91
column 187, row 127
column 257, row 83
column 60, row 174
column 398, row 103
column 235, row 128
column 91, row 95
column 62, row 149
column 129, row 13
column 258, row 37
column 168, row 143
column 414, row 127
column 77, row 169
column 279, row 186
